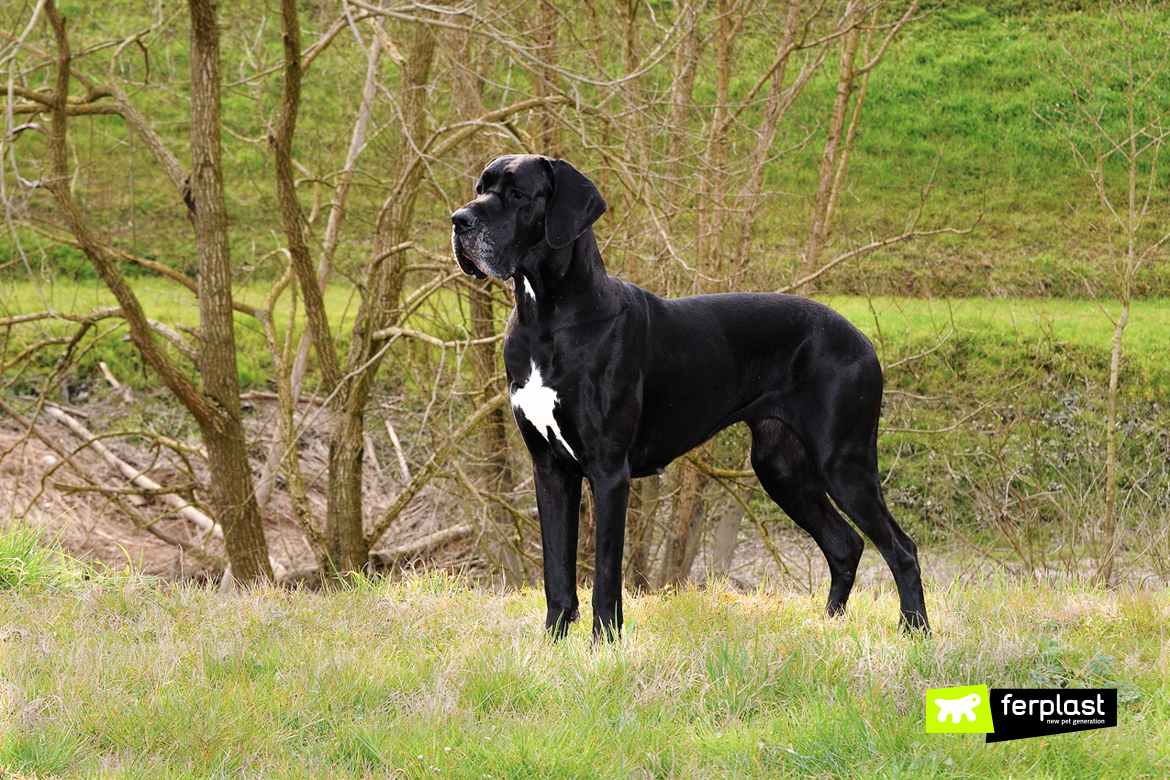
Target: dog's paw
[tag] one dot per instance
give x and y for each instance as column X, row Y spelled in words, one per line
column 558, row 620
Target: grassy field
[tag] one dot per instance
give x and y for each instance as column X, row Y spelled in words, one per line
column 162, row 300
column 116, row 676
column 1010, row 330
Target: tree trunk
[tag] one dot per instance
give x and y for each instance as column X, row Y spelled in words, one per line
column 216, row 408
column 336, row 210
column 544, row 41
column 231, row 475
column 829, row 171
column 714, row 178
column 726, row 539
column 684, row 528
column 290, row 209
column 344, row 532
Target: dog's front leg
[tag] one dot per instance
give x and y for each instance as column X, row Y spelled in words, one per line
column 611, row 493
column 558, row 499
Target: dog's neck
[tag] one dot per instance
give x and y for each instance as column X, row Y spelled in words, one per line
column 572, row 281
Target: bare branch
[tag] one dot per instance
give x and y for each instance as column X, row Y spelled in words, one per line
column 136, row 477
column 386, row 333
column 424, row 475
column 912, row 234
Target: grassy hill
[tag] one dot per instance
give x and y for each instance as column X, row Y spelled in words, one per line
column 971, row 88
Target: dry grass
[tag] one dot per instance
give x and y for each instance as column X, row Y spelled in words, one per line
column 123, row 676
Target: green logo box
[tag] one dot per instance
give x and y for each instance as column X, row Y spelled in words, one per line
column 962, row 710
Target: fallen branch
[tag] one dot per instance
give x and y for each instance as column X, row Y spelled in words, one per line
column 388, row 557
column 112, row 491
column 207, row 559
column 403, row 467
column 181, row 506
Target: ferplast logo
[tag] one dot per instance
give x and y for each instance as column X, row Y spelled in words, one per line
column 1018, row 713
column 962, row 710
column 1021, row 713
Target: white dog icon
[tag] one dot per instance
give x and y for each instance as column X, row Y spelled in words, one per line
column 958, row 709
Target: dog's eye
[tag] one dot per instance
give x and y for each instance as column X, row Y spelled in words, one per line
column 518, row 195
column 478, row 189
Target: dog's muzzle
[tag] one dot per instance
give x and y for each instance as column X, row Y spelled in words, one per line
column 472, row 244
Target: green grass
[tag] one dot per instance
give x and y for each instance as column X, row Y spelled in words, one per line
column 27, row 563
column 980, row 92
column 988, row 334
column 161, row 300
column 996, row 340
column 973, row 81
column 428, row 678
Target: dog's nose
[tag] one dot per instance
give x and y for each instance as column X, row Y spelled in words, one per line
column 463, row 220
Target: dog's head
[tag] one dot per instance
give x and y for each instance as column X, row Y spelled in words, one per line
column 523, row 201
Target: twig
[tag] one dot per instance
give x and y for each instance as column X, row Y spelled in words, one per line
column 955, row 426
column 403, row 467
column 871, row 247
column 386, row 333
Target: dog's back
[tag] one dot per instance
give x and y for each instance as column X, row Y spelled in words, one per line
column 726, row 358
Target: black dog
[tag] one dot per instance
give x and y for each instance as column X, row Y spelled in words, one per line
column 610, row 382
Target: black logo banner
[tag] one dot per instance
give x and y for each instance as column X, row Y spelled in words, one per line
column 1020, row 713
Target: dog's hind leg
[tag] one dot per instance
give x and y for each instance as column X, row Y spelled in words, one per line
column 782, row 465
column 851, row 476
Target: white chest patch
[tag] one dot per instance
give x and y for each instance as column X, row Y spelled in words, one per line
column 536, row 401
column 527, row 288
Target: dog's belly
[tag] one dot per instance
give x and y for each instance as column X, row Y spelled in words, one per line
column 672, row 427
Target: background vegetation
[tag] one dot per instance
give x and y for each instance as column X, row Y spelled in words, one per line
column 996, row 341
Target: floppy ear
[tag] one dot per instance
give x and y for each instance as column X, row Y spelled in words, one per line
column 575, row 205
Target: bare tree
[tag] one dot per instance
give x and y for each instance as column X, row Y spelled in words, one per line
column 231, row 477
column 847, row 105
column 215, row 407
column 677, row 123
column 1119, row 153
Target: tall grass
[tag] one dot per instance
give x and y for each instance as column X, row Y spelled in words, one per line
column 28, row 563
column 427, row 678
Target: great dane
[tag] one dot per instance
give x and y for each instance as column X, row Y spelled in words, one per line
column 609, row 382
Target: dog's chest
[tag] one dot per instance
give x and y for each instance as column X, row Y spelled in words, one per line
column 535, row 401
